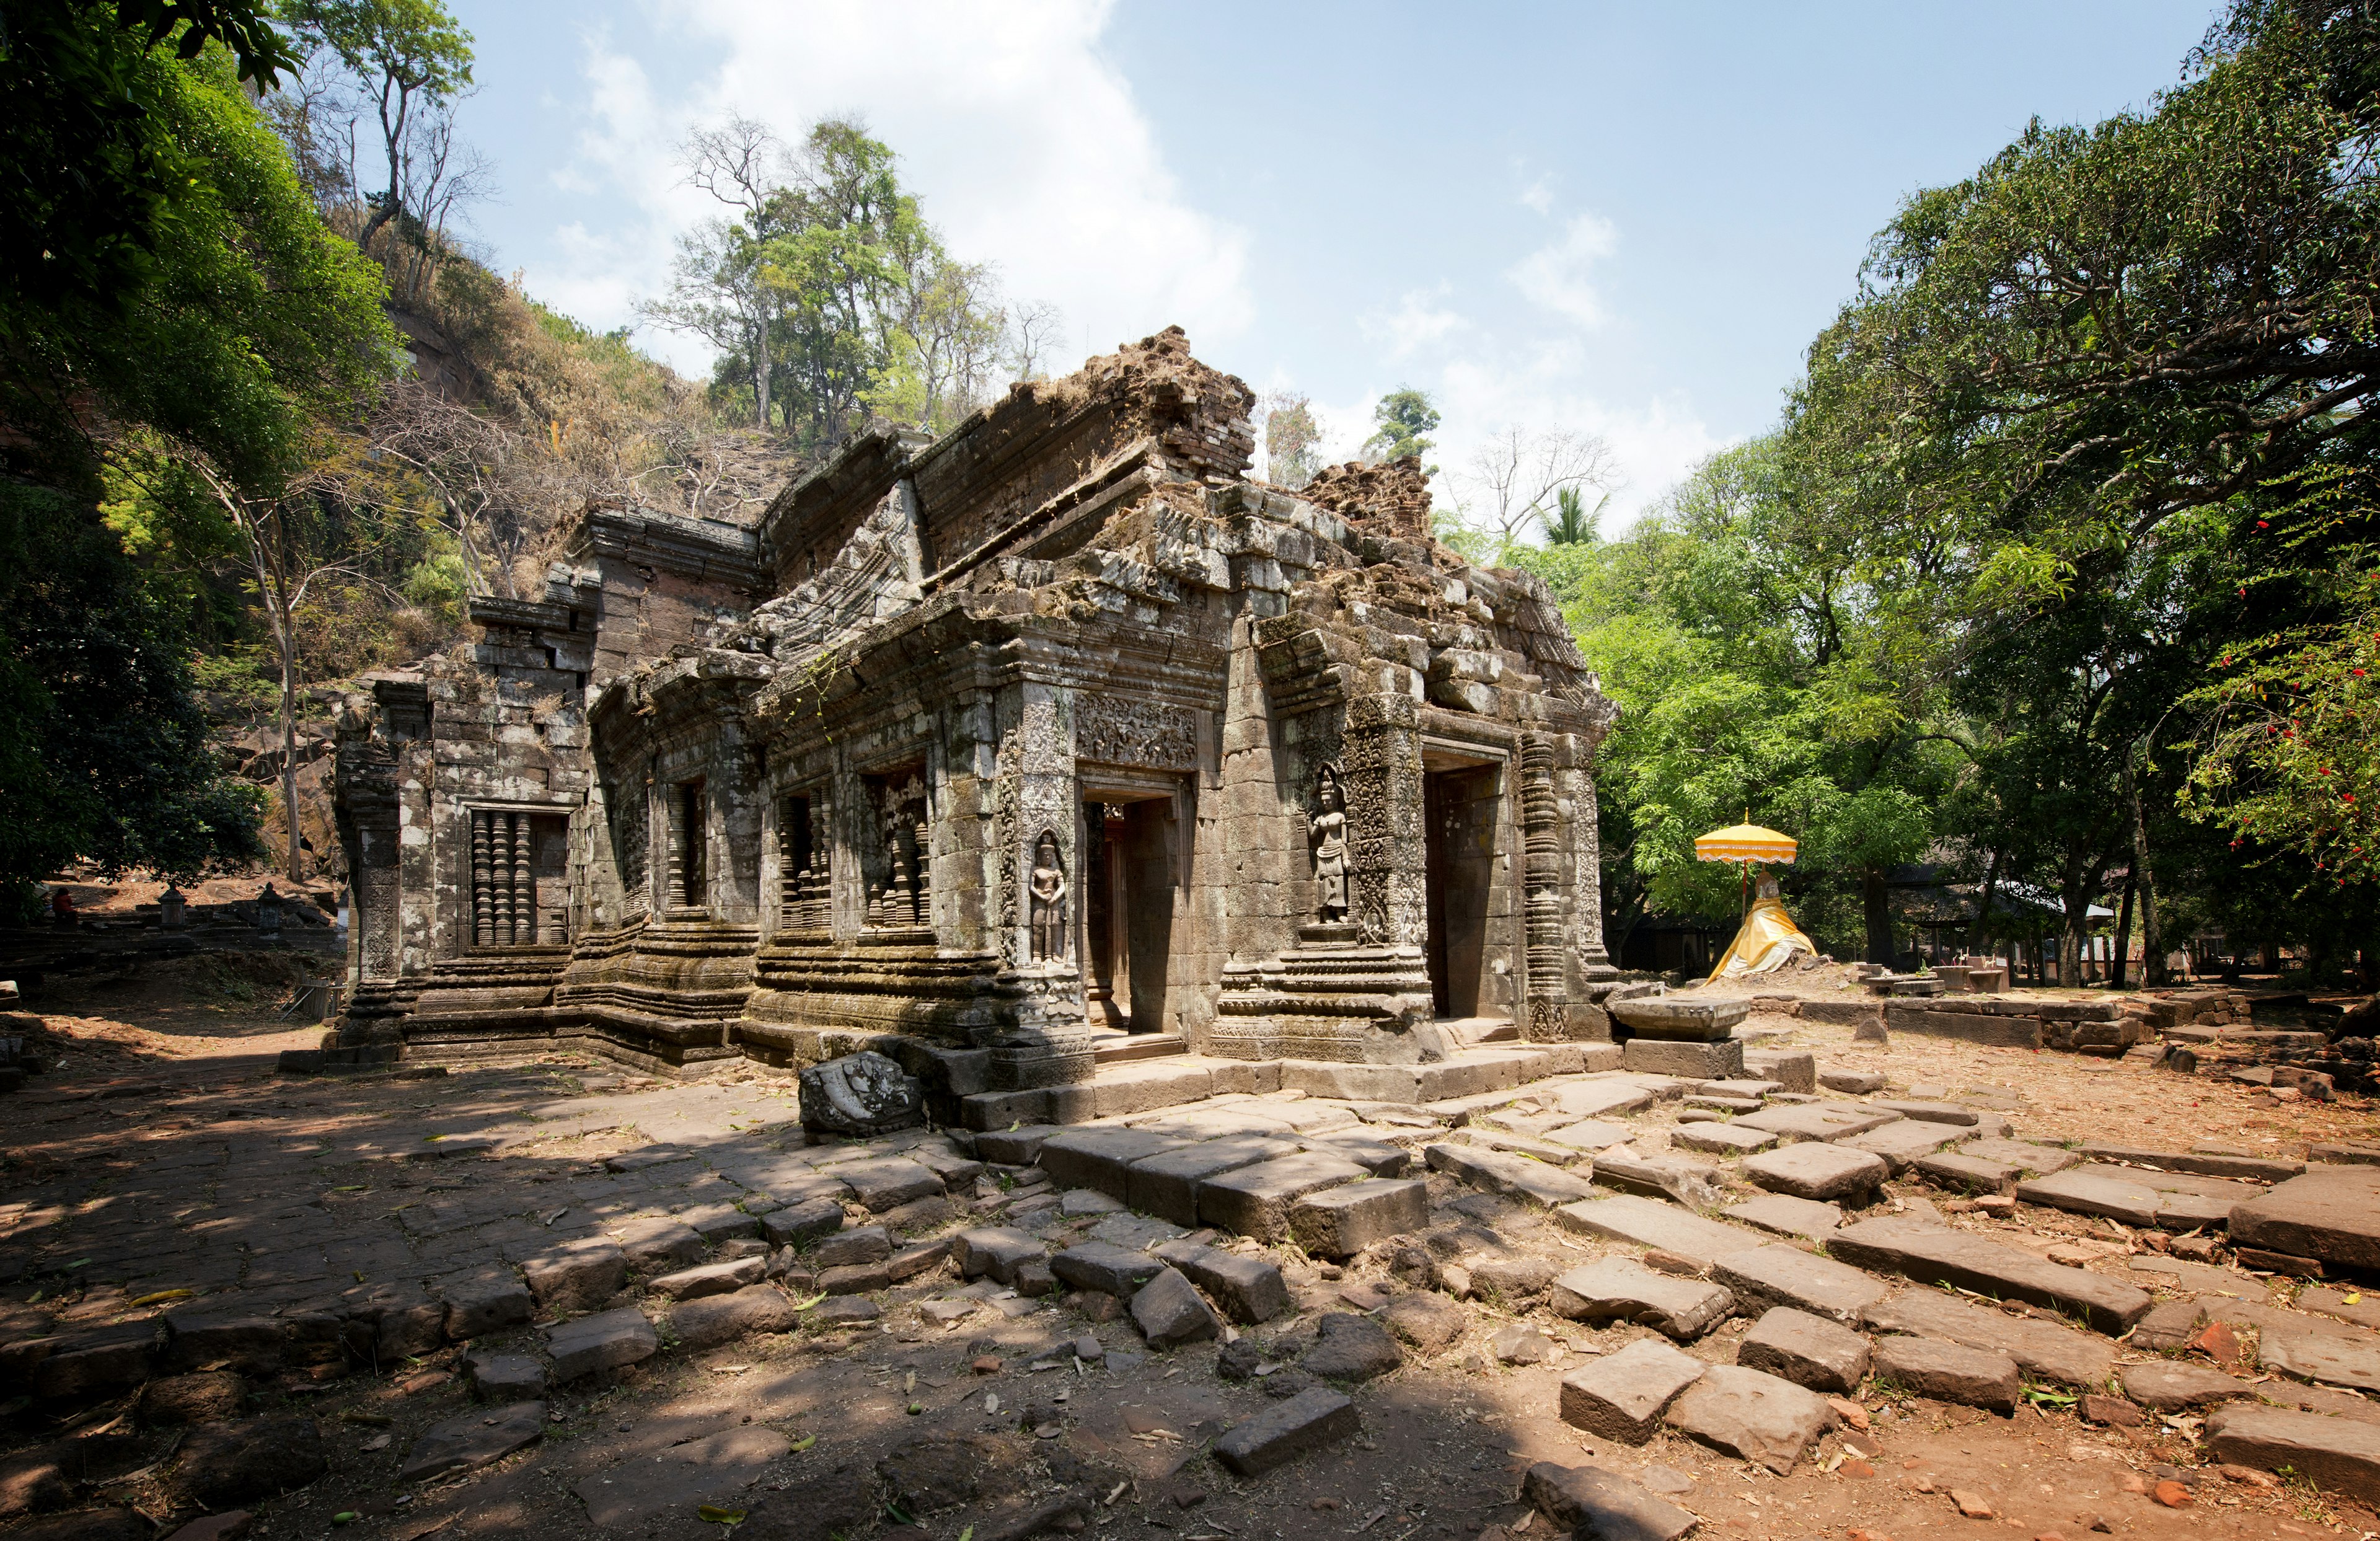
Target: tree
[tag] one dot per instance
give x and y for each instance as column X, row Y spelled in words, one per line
column 1293, row 440
column 1404, row 417
column 721, row 293
column 410, row 61
column 1572, row 523
column 1034, row 330
column 1515, row 474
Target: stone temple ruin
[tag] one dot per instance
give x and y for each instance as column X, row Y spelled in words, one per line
column 1055, row 759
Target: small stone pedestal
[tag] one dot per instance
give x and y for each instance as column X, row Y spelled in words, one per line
column 1672, row 1037
column 1702, row 1062
column 1331, row 997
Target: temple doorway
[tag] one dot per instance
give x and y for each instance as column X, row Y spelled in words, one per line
column 1461, row 811
column 1129, row 883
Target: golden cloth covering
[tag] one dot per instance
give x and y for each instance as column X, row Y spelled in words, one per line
column 1767, row 940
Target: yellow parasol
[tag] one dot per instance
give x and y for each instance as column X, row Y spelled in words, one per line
column 1745, row 842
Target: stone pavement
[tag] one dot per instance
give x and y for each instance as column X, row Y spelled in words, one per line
column 244, row 1250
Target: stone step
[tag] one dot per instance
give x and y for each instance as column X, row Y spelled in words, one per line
column 1932, row 1255
column 1127, row 1047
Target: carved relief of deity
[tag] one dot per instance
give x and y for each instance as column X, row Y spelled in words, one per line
column 1329, row 827
column 1048, row 890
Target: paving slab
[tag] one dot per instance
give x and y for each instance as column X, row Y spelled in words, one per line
column 1904, row 1141
column 681, row 1478
column 1602, row 1505
column 1957, row 1169
column 1101, row 1158
column 2170, row 1384
column 1256, row 1200
column 2267, row 1169
column 2332, row 1213
column 2083, row 1190
column 1781, row 1275
column 1851, row 1082
column 1105, row 1268
column 1932, row 1255
column 2027, row 1157
column 1648, row 1222
column 1949, row 1372
column 1587, row 1099
column 1695, row 1185
column 1619, row 1289
column 1755, row 1416
column 1590, row 1135
column 603, row 1341
column 2339, row 1454
column 1809, row 1350
column 1931, row 1113
column 1816, row 1169
column 2043, row 1349
column 1818, row 1120
column 1311, row 1420
column 1621, row 1396
column 1342, row 1222
column 2323, row 1351
column 1786, row 1216
column 1166, row 1184
column 1723, row 1139
column 478, row 1437
column 1501, row 1172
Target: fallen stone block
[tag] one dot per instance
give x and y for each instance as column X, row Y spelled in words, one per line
column 1932, row 1255
column 2173, row 1384
column 1648, row 1222
column 996, row 1251
column 1342, row 1222
column 1781, row 1275
column 488, row 1301
column 1109, row 1271
column 1687, row 1060
column 1499, row 1171
column 711, row 1279
column 1932, row 1113
column 1902, row 1143
column 220, row 1465
column 1601, row 1506
column 1101, row 1158
column 1788, row 1216
column 2030, row 1159
column 1852, row 1083
column 504, row 1378
column 1167, row 1183
column 1621, row 1396
column 1961, row 1172
column 1808, row 1351
column 2339, row 1454
column 2045, row 1350
column 2333, row 1356
column 657, row 1243
column 1169, row 1311
column 1313, row 1418
column 865, row 1243
column 1256, row 1200
column 1617, row 1289
column 577, row 1277
column 866, row 1279
column 1425, row 1319
column 1992, row 1031
column 1249, row 1288
column 1693, row 1184
column 1721, row 1139
column 1589, row 1099
column 2332, row 1213
column 1757, row 1417
column 605, row 1341
column 473, row 1440
column 1817, row 1120
column 1796, row 1069
column 1951, row 1372
column 1351, row 1348
column 1816, row 1169
column 716, row 1319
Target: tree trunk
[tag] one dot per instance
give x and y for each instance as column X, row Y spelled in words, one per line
column 2073, row 934
column 1980, row 932
column 289, row 744
column 2123, row 932
column 2153, row 969
column 1876, row 901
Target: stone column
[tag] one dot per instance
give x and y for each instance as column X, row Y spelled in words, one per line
column 1546, row 1019
column 484, row 915
column 1387, row 864
column 1041, row 1041
column 524, row 883
column 674, row 870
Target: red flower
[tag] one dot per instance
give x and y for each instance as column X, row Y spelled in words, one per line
column 2260, row 523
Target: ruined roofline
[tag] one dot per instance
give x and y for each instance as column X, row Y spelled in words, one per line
column 713, row 550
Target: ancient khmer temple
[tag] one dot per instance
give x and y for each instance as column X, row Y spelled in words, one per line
column 1049, row 750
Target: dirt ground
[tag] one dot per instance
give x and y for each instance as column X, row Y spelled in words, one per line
column 1445, row 1439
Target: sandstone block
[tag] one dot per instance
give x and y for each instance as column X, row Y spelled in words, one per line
column 223, row 1465
column 1621, row 1396
column 1648, row 1222
column 1852, row 1083
column 485, row 1301
column 1256, row 1200
column 653, row 1243
column 1951, row 1372
column 1169, row 1311
column 1618, row 1289
column 1166, row 1184
column 2173, row 1384
column 1351, row 1348
column 1100, row 1158
column 1816, row 1169
column 1722, row 1139
column 716, row 1319
column 1788, row 1216
column 1817, row 1120
column 1109, row 1270
column 1342, row 1222
column 1699, row 1061
column 1249, row 1290
column 504, row 1378
column 1780, row 1275
column 888, row 1181
column 861, row 1279
column 473, row 1440
column 603, row 1341
column 579, row 1277
column 2341, row 1455
column 804, row 1221
column 2043, row 1349
column 1313, row 1418
column 1752, row 1415
column 2332, row 1213
column 997, row 1251
column 204, row 1397
column 1934, row 1255
column 1425, row 1319
column 865, row 1243
column 1602, row 1505
column 1796, row 1069
column 1809, row 1350
column 711, row 1279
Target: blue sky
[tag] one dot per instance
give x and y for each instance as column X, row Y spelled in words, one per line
column 1620, row 221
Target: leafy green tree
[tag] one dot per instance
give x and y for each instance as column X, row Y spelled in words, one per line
column 1293, row 440
column 1572, row 523
column 1403, row 420
column 410, row 61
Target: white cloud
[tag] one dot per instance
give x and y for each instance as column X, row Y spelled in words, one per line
column 1539, row 194
column 1026, row 144
column 1417, row 323
column 1559, row 276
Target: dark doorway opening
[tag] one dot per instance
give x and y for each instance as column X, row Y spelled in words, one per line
column 1129, row 881
column 1460, row 807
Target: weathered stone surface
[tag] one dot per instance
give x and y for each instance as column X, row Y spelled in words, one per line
column 1679, row 1019
column 2173, row 1384
column 1755, row 1416
column 1425, row 1319
column 505, row 1378
column 1648, row 1222
column 1501, row 1172
column 1949, row 1372
column 1342, row 1222
column 657, row 1244
column 888, row 1181
column 2168, row 1325
column 2087, row 1193
column 579, row 1277
column 798, row 1223
column 1621, row 1396
column 2043, row 1349
column 1851, row 1082
column 710, row 1278
column 1519, row 1344
column 995, row 1250
column 223, row 1465
column 1169, row 1311
column 1904, row 1141
column 1589, row 1099
column 603, row 1341
column 1788, row 1216
column 2332, row 1213
column 716, row 1319
column 860, row 1095
column 487, row 1301
column 1512, row 1280
column 2339, row 1454
column 1809, row 1350
column 1816, row 1169
column 1351, row 1348
column 2033, row 1160
column 1724, row 1139
column 1256, row 1200
column 1617, row 1289
column 1934, row 1255
column 1101, row 1158
column 1817, row 1120
column 2263, row 1169
column 1781, row 1275
column 1597, row 1505
column 1109, row 1270
column 1695, row 1062
column 87, row 1364
column 1961, row 1172
column 1693, row 1185
column 473, row 1440
column 204, row 1397
column 1249, row 1288
column 865, row 1243
column 2318, row 1351
column 1795, row 1070
column 1313, row 1418
column 1931, row 1113
column 1166, row 1184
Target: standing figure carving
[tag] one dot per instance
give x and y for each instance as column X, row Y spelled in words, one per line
column 1049, row 888
column 1330, row 846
